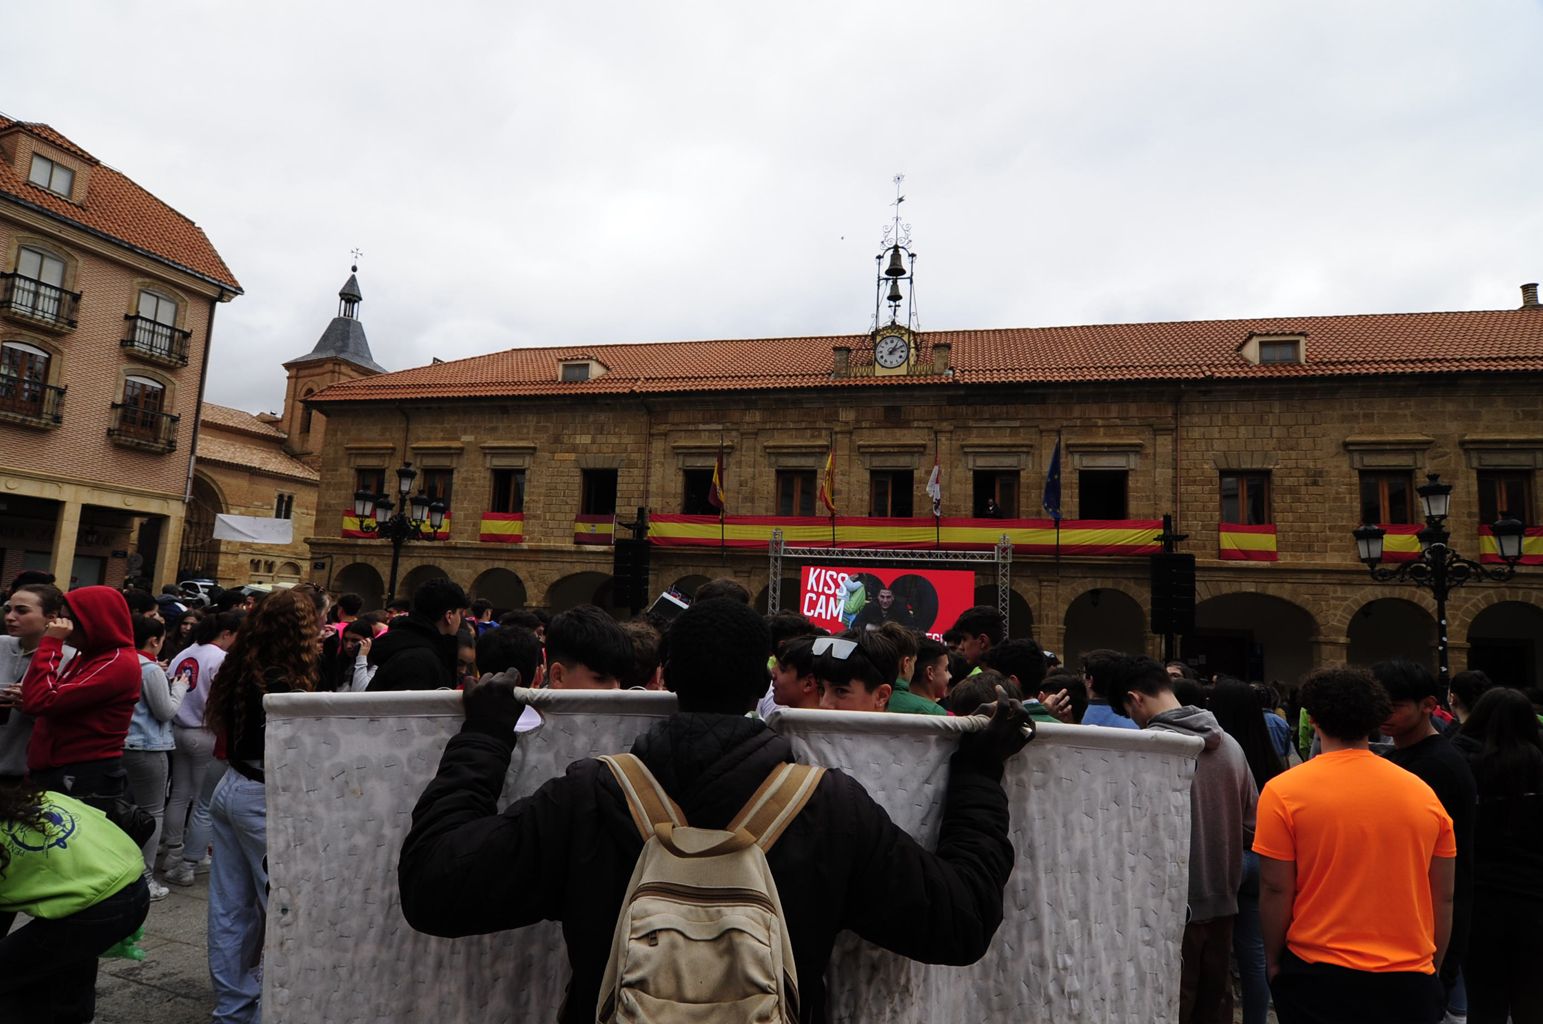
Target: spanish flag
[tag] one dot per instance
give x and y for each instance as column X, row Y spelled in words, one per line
column 715, row 495
column 828, row 481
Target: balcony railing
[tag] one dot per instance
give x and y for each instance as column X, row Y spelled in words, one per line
column 36, row 303
column 31, row 402
column 134, row 427
column 157, row 342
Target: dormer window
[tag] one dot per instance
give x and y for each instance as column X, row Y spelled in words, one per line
column 1266, row 350
column 574, row 371
column 53, row 176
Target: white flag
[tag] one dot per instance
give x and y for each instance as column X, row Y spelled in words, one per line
column 935, row 487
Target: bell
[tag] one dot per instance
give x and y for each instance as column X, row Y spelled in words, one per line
column 896, row 268
column 894, row 292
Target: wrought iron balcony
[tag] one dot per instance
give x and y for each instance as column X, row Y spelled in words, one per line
column 36, row 304
column 156, row 342
column 30, row 402
column 134, row 427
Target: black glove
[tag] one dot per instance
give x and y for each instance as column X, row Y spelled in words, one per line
column 491, row 706
column 1008, row 732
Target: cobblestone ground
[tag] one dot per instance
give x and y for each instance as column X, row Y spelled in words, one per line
column 171, row 984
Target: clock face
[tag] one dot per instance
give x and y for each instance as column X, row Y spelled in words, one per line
column 892, row 351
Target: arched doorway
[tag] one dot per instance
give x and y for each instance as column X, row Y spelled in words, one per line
column 417, row 577
column 287, row 572
column 688, row 584
column 1103, row 619
column 199, row 556
column 1020, row 618
column 1391, row 627
column 362, row 579
column 1252, row 636
column 500, row 586
column 788, row 597
column 1505, row 641
column 579, row 588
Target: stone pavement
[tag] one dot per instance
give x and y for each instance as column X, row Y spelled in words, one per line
column 171, row 985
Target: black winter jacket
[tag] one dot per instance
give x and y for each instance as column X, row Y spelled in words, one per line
column 566, row 852
column 413, row 655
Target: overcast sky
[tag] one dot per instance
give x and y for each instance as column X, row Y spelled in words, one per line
column 597, row 172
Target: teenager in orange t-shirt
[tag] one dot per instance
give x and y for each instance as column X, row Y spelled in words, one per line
column 1356, row 872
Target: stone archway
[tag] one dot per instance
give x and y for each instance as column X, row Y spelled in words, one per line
column 1252, row 635
column 416, row 577
column 1103, row 618
column 1505, row 641
column 579, row 588
column 199, row 555
column 1391, row 627
column 363, row 579
column 1020, row 617
column 502, row 587
column 689, row 585
column 287, row 572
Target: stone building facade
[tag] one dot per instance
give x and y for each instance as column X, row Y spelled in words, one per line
column 107, row 304
column 1268, row 441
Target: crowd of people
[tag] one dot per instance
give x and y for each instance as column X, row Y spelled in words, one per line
column 1380, row 859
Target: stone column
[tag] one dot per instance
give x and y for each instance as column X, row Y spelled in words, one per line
column 1330, row 650
column 66, row 530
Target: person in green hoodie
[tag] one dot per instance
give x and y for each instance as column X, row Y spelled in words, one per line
column 81, row 880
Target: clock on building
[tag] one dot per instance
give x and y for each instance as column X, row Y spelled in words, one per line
column 892, row 351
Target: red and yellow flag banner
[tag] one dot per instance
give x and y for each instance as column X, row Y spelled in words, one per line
column 598, row 529
column 352, row 530
column 1115, row 537
column 1400, row 542
column 502, row 528
column 1239, row 543
column 1532, row 546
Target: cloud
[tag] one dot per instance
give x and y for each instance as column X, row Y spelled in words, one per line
column 606, row 172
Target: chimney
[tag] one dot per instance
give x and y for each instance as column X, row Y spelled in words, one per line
column 843, row 362
column 940, row 353
column 1530, row 296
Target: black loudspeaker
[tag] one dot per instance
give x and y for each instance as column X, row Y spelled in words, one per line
column 629, row 571
column 1173, row 594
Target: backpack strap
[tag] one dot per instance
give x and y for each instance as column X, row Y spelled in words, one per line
column 646, row 799
column 774, row 806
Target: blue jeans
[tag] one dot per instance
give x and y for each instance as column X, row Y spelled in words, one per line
column 238, row 898
column 1248, row 945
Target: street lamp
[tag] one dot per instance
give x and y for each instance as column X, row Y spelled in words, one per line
column 1438, row 568
column 378, row 516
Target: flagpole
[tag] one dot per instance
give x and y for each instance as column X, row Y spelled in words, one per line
column 937, row 503
column 723, row 505
column 830, row 490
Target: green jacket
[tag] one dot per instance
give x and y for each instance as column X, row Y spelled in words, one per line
column 77, row 861
column 908, row 703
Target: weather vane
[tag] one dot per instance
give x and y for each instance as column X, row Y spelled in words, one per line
column 355, row 253
column 897, row 233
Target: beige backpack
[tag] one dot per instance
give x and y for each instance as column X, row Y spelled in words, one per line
column 701, row 937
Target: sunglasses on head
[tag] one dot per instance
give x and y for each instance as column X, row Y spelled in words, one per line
column 835, row 646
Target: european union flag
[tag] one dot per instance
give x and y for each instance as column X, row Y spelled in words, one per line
column 1052, row 499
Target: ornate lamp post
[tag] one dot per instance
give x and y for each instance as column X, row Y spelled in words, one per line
column 1439, row 568
column 378, row 515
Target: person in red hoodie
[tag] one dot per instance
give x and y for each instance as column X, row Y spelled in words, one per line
column 83, row 709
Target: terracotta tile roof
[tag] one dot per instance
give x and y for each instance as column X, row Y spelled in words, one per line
column 235, row 419
column 254, row 456
column 1500, row 341
column 116, row 207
